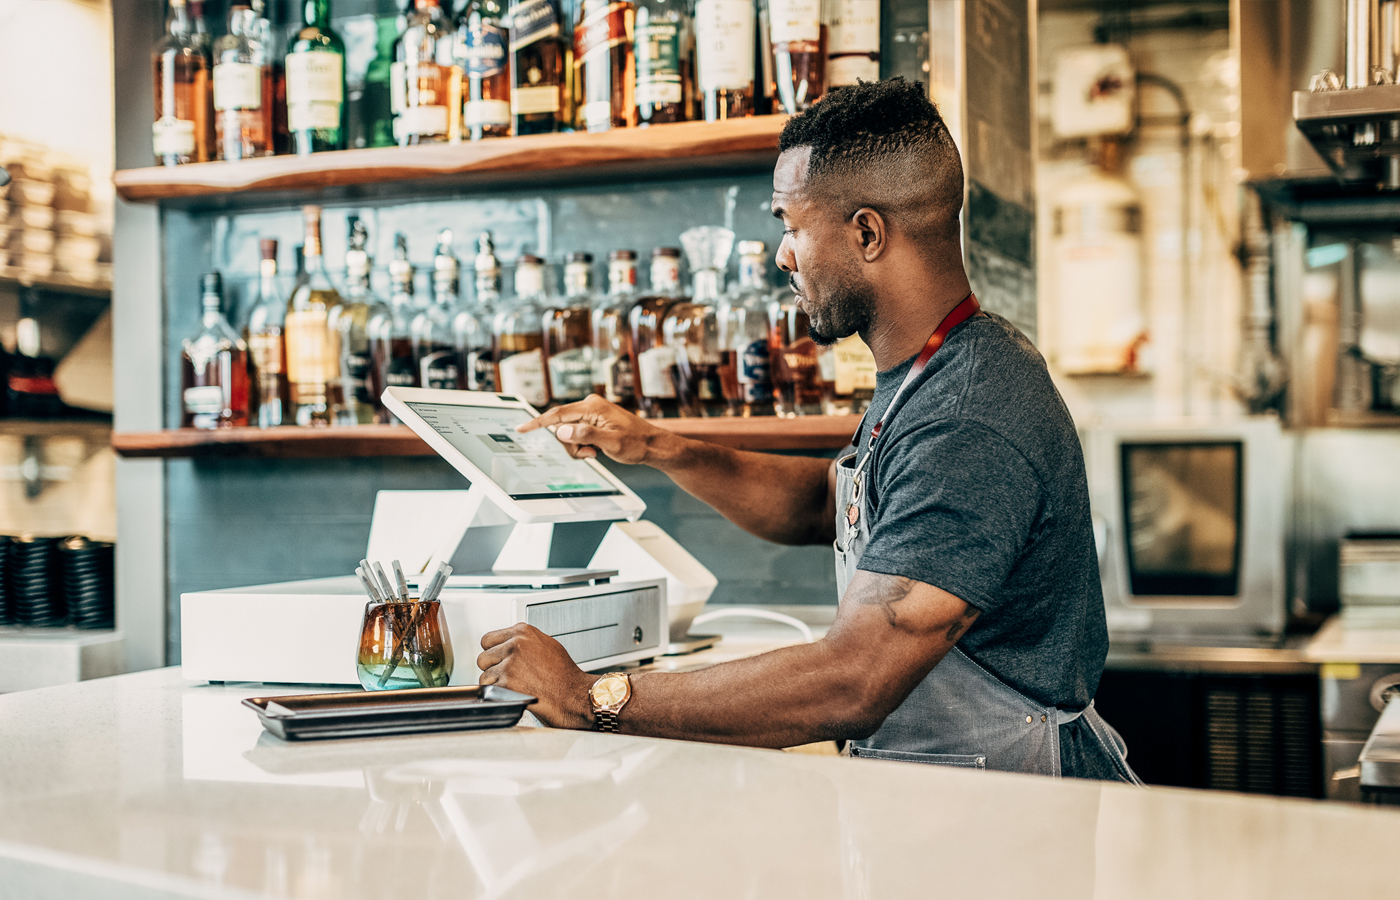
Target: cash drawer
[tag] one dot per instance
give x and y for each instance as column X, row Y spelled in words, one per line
column 601, row 625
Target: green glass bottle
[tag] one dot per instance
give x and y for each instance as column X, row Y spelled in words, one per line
column 316, row 83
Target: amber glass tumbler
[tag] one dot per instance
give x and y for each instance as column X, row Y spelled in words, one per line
column 404, row 645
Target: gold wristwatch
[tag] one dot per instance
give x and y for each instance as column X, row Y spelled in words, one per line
column 607, row 696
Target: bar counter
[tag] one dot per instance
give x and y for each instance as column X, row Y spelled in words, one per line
column 147, row 785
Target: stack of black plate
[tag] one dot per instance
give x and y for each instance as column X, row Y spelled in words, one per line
column 85, row 575
column 31, row 587
column 6, row 614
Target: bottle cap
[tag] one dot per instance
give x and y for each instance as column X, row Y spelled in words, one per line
column 666, row 251
column 269, row 248
column 581, row 258
column 529, row 259
column 622, row 255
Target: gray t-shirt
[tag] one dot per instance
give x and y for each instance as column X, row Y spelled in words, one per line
column 977, row 487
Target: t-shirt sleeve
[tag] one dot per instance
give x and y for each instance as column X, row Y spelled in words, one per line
column 957, row 504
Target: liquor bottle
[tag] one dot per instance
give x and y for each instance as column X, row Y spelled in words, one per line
column 313, row 357
column 273, row 19
column 471, row 330
column 798, row 42
column 377, row 105
column 350, row 323
column 214, row 367
column 743, row 336
column 426, row 87
column 315, row 67
column 430, row 332
column 266, row 347
column 243, row 88
column 853, row 41
column 538, row 56
column 662, row 49
column 654, row 368
column 568, row 334
column 797, row 387
column 612, row 336
column 390, row 337
column 183, row 131
column 518, row 342
column 605, row 71
column 692, row 328
column 847, row 370
column 483, row 56
column 724, row 40
column 201, row 36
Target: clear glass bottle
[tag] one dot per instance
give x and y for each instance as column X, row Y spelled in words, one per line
column 518, row 339
column 568, row 334
column 483, row 55
column 612, row 336
column 538, row 58
column 313, row 352
column 471, row 329
column 184, row 129
column 662, row 48
column 605, row 71
column 797, row 386
column 743, row 336
column 724, row 58
column 214, row 367
column 692, row 328
column 266, row 347
column 315, row 67
column 798, row 42
column 853, row 41
column 426, row 85
column 847, row 370
column 243, row 88
column 653, row 360
column 390, row 342
column 350, row 322
column 434, row 350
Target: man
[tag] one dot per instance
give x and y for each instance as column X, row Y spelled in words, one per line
column 971, row 627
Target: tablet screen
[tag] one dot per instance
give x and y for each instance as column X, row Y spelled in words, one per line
column 531, row 466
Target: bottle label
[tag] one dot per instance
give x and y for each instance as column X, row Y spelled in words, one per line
column 853, row 27
column 173, row 137
column 206, row 400
column 414, row 113
column 484, row 50
column 356, row 377
column 724, row 44
column 658, row 49
column 237, row 86
column 753, row 373
column 486, row 112
column 826, row 363
column 571, row 374
column 310, row 356
column 401, row 372
column 795, row 20
column 266, row 350
column 597, row 115
column 602, row 29
column 619, row 386
column 850, row 69
column 481, row 373
column 315, row 90
column 420, row 120
column 522, row 374
column 531, row 21
column 854, row 366
column 654, row 370
column 526, row 101
column 439, row 370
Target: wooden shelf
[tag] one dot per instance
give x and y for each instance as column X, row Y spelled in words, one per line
column 766, row 433
column 57, row 282
column 680, row 149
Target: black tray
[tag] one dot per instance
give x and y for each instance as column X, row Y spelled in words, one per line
column 369, row 713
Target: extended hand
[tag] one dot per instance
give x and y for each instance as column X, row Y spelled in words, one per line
column 525, row 659
column 594, row 424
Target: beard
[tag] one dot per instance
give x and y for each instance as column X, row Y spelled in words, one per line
column 845, row 311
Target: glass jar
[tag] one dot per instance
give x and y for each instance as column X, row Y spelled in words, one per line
column 404, row 645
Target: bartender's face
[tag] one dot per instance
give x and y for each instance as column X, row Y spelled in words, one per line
column 819, row 254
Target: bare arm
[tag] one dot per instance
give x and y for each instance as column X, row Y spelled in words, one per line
column 889, row 633
column 785, row 499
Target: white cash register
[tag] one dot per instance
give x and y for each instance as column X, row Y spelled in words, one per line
column 539, row 537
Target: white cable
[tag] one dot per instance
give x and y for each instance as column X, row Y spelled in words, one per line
column 745, row 612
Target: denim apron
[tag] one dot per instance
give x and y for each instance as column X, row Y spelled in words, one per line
column 960, row 714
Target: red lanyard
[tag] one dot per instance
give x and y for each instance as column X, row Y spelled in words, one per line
column 961, row 313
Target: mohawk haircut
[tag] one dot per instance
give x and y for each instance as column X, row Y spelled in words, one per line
column 882, row 145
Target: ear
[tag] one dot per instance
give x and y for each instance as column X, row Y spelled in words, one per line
column 871, row 232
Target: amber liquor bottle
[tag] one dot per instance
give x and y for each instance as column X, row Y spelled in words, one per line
column 266, row 348
column 692, row 327
column 313, row 353
column 612, row 336
column 214, row 367
column 654, row 369
column 184, row 128
column 483, row 56
column 568, row 334
column 243, row 88
column 538, row 55
column 743, row 336
column 350, row 323
column 390, row 333
column 724, row 58
column 425, row 87
column 798, row 41
column 605, row 71
column 797, row 386
column 518, row 340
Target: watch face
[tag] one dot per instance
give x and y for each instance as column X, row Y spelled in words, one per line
column 609, row 691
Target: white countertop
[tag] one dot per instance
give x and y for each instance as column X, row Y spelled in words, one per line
column 149, row 786
column 1340, row 641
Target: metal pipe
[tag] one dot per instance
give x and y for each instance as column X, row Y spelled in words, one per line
column 1363, row 41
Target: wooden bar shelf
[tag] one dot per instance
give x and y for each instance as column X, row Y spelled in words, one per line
column 683, row 149
column 765, row 433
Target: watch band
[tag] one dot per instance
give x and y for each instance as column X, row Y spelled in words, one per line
column 605, row 720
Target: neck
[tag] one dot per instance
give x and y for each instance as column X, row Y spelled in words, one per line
column 911, row 309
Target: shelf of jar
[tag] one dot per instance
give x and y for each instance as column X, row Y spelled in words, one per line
column 759, row 433
column 681, row 149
